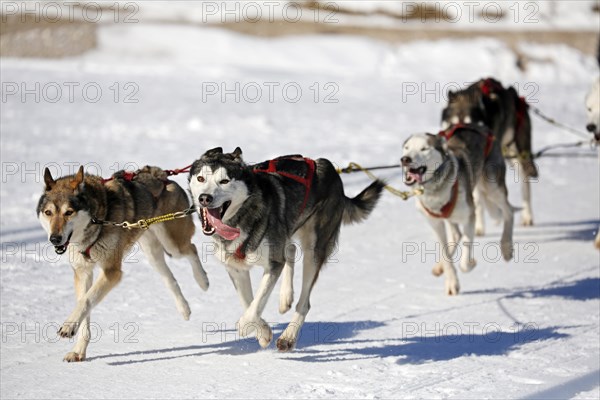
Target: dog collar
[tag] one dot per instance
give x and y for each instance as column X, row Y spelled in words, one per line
column 448, row 208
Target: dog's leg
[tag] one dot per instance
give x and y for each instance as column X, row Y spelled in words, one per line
column 286, row 293
column 452, row 285
column 498, row 194
column 287, row 340
column 175, row 237
column 83, row 281
column 154, row 250
column 527, row 213
column 243, row 285
column 108, row 278
column 467, row 258
column 251, row 320
column 452, row 232
column 197, row 269
column 479, row 214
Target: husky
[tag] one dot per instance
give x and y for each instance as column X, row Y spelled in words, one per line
column 253, row 211
column 69, row 210
column 592, row 103
column 450, row 168
column 488, row 103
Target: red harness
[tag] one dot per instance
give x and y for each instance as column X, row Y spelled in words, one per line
column 490, row 86
column 304, row 181
column 489, row 137
column 447, row 209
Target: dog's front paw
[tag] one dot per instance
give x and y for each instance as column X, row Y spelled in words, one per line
column 452, row 287
column 264, row 335
column 467, row 265
column 479, row 231
column 201, row 278
column 286, row 298
column 184, row 309
column 526, row 218
column 285, row 344
column 68, row 329
column 438, row 269
column 507, row 250
column 74, row 357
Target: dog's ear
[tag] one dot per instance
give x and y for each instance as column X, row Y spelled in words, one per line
column 451, row 95
column 77, row 181
column 439, row 142
column 237, row 154
column 48, row 180
column 214, row 152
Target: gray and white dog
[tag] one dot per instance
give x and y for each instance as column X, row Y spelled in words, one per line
column 450, row 168
column 488, row 103
column 253, row 212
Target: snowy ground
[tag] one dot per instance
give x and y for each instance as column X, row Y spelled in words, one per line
column 380, row 325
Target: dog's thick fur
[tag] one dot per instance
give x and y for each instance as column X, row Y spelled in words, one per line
column 592, row 104
column 436, row 164
column 66, row 209
column 253, row 216
column 500, row 111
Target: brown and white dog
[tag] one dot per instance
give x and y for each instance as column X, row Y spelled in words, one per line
column 66, row 210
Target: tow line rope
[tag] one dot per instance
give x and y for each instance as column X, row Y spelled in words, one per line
column 554, row 122
column 404, row 195
column 144, row 224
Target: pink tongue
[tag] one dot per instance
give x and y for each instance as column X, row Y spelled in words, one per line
column 225, row 231
column 416, row 177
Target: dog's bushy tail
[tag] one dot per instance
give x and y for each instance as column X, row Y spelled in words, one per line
column 358, row 208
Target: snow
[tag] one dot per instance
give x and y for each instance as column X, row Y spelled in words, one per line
column 380, row 325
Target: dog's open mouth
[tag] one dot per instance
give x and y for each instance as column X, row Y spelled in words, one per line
column 212, row 222
column 414, row 175
column 63, row 247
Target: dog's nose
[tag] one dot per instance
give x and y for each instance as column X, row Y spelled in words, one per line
column 205, row 199
column 55, row 239
column 406, row 160
column 591, row 128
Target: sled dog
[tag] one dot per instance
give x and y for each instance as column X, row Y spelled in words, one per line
column 67, row 209
column 453, row 168
column 253, row 211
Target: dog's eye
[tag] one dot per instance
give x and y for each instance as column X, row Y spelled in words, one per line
column 69, row 212
column 201, row 179
column 48, row 212
column 224, row 181
column 424, row 149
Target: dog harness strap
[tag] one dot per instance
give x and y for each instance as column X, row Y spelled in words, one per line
column 490, row 86
column 489, row 137
column 306, row 181
column 451, row 131
column 522, row 108
column 240, row 252
column 447, row 209
column 489, row 143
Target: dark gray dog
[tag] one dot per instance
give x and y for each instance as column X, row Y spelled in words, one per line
column 488, row 103
column 253, row 212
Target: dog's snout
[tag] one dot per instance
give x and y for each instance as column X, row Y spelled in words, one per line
column 205, row 199
column 56, row 239
column 591, row 127
column 406, row 160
